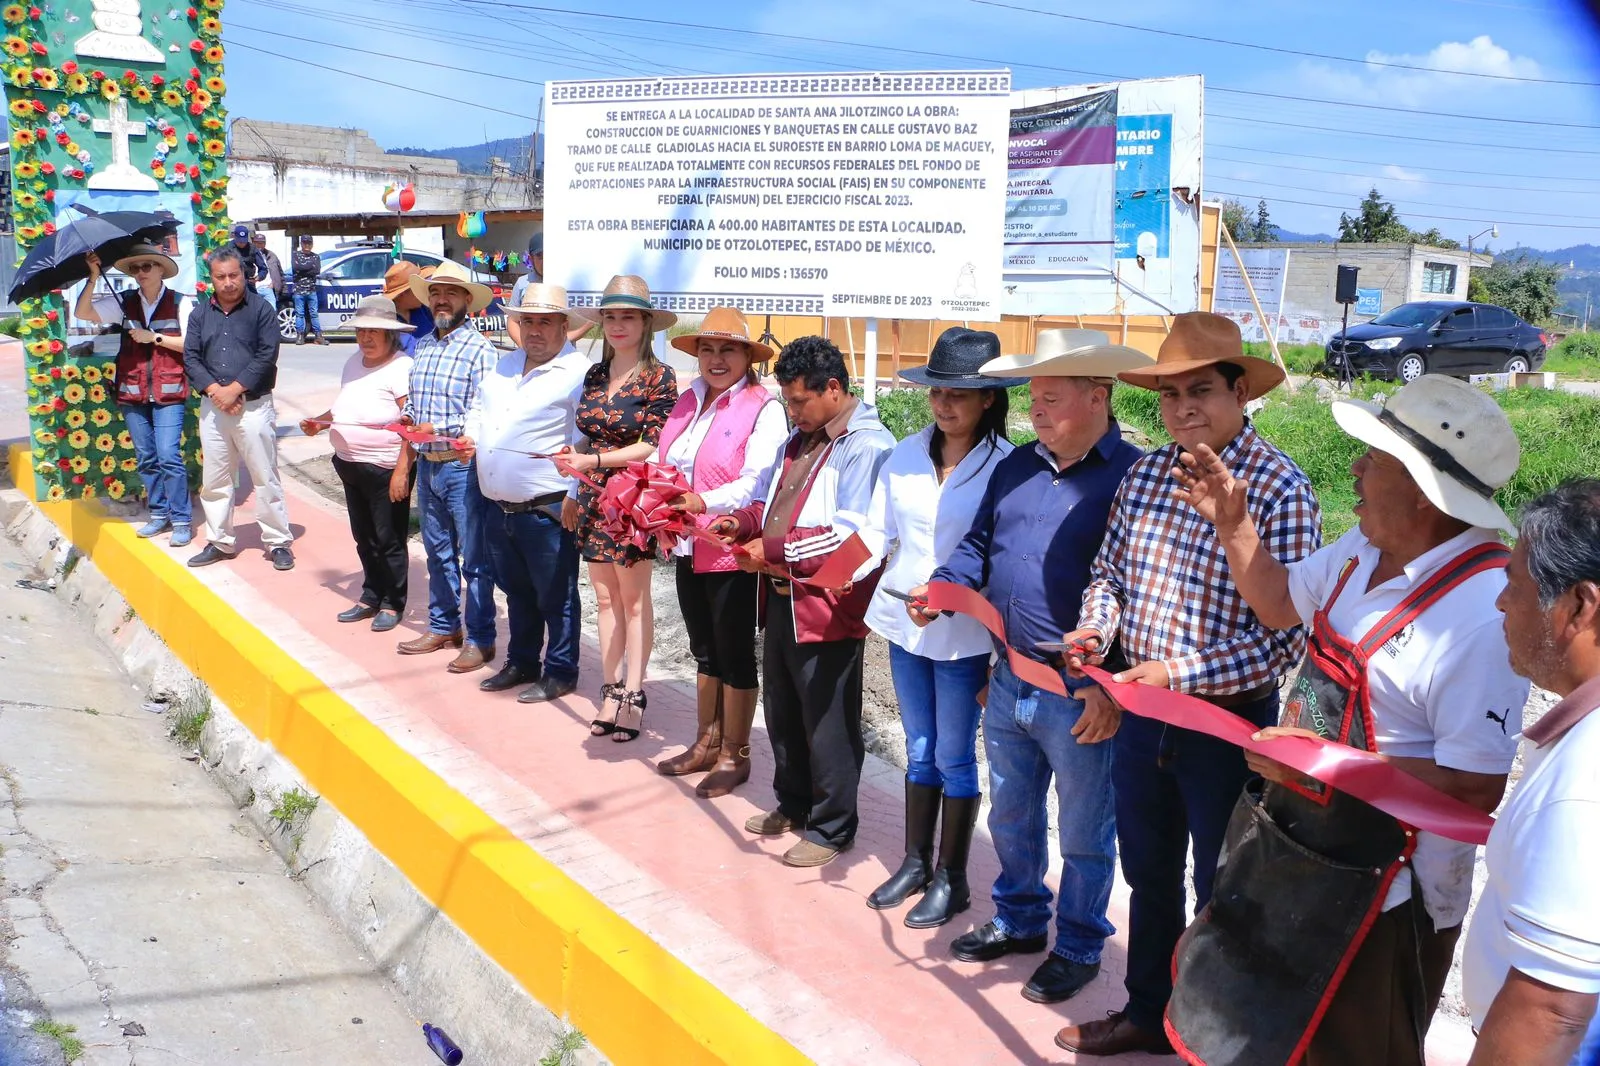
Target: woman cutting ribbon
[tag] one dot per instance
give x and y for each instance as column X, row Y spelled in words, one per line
column 723, row 437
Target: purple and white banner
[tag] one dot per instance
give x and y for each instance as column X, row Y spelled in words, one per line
column 1061, row 186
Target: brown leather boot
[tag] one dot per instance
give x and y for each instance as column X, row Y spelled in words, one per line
column 429, row 642
column 702, row 755
column 733, row 761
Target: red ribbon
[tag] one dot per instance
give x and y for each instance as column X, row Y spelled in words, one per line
column 410, row 433
column 1351, row 770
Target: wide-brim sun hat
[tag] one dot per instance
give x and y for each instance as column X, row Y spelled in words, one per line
column 1453, row 439
column 397, row 279
column 147, row 253
column 1201, row 339
column 450, row 272
column 628, row 292
column 724, row 324
column 957, row 357
column 1069, row 353
column 378, row 312
column 539, row 298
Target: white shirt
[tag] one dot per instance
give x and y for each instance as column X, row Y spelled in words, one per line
column 1538, row 912
column 369, row 395
column 767, row 438
column 1441, row 689
column 109, row 307
column 514, row 413
column 918, row 522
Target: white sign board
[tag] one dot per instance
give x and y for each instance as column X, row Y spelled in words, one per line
column 1268, row 269
column 1154, row 265
column 866, row 194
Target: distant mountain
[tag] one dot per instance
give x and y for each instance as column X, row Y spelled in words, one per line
column 474, row 158
column 1577, row 257
column 1289, row 236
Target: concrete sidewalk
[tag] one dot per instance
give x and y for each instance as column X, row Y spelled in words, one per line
column 134, row 896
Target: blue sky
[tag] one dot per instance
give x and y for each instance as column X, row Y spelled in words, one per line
column 1534, row 178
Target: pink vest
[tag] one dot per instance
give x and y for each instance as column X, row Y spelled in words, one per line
column 720, row 457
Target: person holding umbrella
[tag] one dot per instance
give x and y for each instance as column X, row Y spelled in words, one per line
column 152, row 386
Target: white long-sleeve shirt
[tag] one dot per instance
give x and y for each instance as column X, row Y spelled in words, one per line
column 767, row 438
column 918, row 522
column 514, row 413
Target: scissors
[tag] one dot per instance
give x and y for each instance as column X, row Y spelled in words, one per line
column 906, row 597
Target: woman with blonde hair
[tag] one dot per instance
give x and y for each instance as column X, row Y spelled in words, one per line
column 626, row 399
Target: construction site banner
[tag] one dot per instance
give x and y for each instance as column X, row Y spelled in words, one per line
column 864, row 194
column 1061, row 186
column 1145, row 255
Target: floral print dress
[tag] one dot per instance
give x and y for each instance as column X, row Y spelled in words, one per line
column 636, row 413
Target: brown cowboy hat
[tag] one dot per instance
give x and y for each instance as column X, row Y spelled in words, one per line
column 397, row 279
column 1199, row 339
column 723, row 324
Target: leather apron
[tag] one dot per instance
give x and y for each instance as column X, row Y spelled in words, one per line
column 1304, row 869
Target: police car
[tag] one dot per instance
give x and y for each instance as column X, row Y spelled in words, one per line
column 355, row 270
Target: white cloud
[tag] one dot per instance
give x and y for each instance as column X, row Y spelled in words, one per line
column 1385, row 79
column 1396, row 173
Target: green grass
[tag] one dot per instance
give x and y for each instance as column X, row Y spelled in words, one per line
column 1299, row 358
column 71, row 1046
column 1557, row 430
column 191, row 721
column 570, row 1043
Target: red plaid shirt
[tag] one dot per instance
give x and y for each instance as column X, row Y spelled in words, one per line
column 1161, row 580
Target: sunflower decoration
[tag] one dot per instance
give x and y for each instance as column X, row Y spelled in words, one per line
column 128, row 465
column 116, row 489
column 104, row 442
column 22, row 107
column 97, row 394
column 124, row 439
column 26, row 169
column 214, row 147
column 71, row 373
column 22, row 139
column 76, row 419
column 14, row 14
column 54, row 493
column 15, row 46
column 141, row 94
column 172, row 97
column 101, row 417
column 215, row 84
column 39, row 379
column 110, row 89
column 73, row 393
column 26, row 200
column 213, row 54
column 47, row 78
column 108, row 465
column 201, row 99
column 77, row 83
column 91, row 374
column 78, row 463
column 210, row 25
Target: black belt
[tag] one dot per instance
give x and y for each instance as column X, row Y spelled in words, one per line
column 527, row 506
column 1234, row 700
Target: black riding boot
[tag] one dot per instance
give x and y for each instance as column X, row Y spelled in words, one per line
column 947, row 894
column 922, row 814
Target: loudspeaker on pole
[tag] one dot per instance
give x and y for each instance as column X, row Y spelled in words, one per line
column 1344, row 290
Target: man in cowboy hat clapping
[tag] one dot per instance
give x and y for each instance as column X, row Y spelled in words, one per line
column 448, row 367
column 1161, row 586
column 1407, row 659
column 528, row 406
column 1036, row 532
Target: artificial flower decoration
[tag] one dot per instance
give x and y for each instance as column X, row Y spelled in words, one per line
column 27, row 170
column 214, row 54
column 77, row 464
column 214, row 147
column 77, row 83
column 104, row 442
column 97, row 394
column 128, row 465
column 108, row 465
column 78, row 439
column 46, row 78
column 110, row 89
column 91, row 374
column 116, row 490
column 22, row 139
column 14, row 13
column 73, row 393
column 125, row 439
column 75, row 419
column 55, row 492
column 21, row 108
column 141, row 95
column 215, row 84
column 16, row 47
column 211, row 26
column 172, row 98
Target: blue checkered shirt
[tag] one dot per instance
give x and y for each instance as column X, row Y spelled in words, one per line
column 444, row 379
column 1161, row 581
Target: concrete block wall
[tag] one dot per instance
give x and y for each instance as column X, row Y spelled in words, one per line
column 325, row 146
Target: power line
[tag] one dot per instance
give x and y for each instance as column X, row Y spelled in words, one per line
column 1283, row 51
column 1390, row 178
column 1401, row 200
column 1093, row 74
column 1436, row 218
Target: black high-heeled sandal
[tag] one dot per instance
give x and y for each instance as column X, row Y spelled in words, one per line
column 632, row 705
column 599, row 727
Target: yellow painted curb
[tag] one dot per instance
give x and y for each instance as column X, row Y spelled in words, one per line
column 634, row 1000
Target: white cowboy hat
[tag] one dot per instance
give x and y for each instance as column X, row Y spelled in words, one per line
column 542, row 299
column 378, row 312
column 1069, row 353
column 1454, row 440
column 628, row 292
column 453, row 273
column 147, row 253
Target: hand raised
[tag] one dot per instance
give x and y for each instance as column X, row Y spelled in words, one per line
column 1206, row 484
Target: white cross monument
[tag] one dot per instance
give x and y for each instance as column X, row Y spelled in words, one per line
column 121, row 173
column 118, row 34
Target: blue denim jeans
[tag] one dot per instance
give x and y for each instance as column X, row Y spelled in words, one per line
column 536, row 564
column 452, row 511
column 939, row 709
column 1174, row 788
column 1589, row 1051
column 305, row 313
column 157, row 432
column 1027, row 736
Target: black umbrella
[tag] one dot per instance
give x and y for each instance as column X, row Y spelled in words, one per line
column 57, row 261
column 151, row 226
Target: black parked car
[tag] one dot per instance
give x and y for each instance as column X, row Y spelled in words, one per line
column 1439, row 337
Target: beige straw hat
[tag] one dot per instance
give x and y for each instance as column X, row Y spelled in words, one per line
column 147, row 253
column 628, row 292
column 723, row 324
column 378, row 312
column 453, row 273
column 1068, row 353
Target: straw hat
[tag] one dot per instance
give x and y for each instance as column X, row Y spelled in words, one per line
column 1454, row 440
column 147, row 253
column 542, row 299
column 452, row 273
column 628, row 292
column 1199, row 339
column 957, row 357
column 1069, row 353
column 378, row 312
column 397, row 279
column 723, row 324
